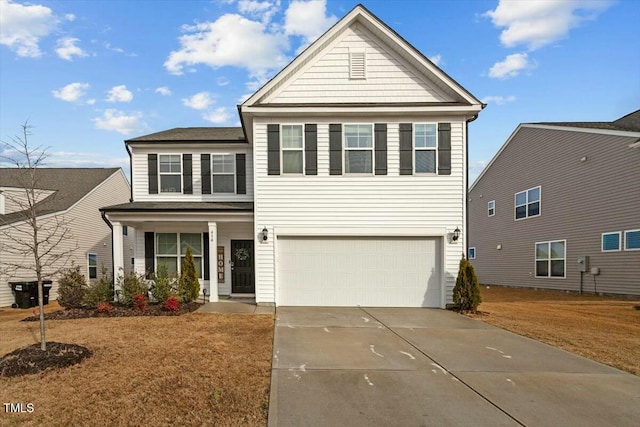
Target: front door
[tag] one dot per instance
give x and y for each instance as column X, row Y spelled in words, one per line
column 242, row 265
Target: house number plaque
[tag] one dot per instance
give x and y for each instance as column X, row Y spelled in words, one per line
column 220, row 264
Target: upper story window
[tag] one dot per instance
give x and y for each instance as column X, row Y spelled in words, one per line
column 611, row 242
column 292, row 149
column 491, row 208
column 170, row 173
column 224, row 173
column 425, row 143
column 358, row 148
column 632, row 240
column 527, row 203
column 551, row 258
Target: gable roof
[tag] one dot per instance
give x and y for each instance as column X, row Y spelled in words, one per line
column 194, row 134
column 628, row 125
column 367, row 19
column 70, row 185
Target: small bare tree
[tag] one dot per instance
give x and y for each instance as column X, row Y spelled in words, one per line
column 40, row 246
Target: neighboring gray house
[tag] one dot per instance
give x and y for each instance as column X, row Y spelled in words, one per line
column 73, row 194
column 554, row 193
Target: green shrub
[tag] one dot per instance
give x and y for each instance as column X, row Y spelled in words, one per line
column 100, row 291
column 72, row 288
column 188, row 285
column 165, row 285
column 466, row 293
column 131, row 284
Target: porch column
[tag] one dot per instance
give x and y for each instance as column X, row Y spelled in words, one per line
column 118, row 253
column 213, row 261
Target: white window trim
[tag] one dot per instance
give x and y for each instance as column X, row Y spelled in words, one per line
column 626, row 240
column 515, row 206
column 89, row 267
column 434, row 149
column 345, row 149
column 234, row 173
column 179, row 254
column 489, row 208
column 602, row 249
column 535, row 260
column 170, row 173
column 283, row 149
column 469, row 252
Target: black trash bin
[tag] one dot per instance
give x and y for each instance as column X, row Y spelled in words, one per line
column 21, row 294
column 26, row 293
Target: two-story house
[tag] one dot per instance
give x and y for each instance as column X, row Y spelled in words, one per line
column 345, row 185
column 558, row 207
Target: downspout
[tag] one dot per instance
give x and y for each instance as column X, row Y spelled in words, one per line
column 466, row 188
column 126, row 146
column 113, row 272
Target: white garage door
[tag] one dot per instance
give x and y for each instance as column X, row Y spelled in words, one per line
column 352, row 271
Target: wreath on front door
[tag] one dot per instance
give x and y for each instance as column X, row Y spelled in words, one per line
column 242, row 254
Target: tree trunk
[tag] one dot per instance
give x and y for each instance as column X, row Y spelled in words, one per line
column 43, row 341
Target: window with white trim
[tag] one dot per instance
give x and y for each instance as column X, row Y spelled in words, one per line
column 611, row 242
column 425, row 146
column 551, row 258
column 292, row 149
column 171, row 255
column 224, row 173
column 527, row 203
column 472, row 253
column 170, row 173
column 358, row 148
column 92, row 265
column 632, row 240
column 491, row 208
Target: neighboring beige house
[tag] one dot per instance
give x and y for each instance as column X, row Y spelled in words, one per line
column 554, row 194
column 76, row 195
column 345, row 186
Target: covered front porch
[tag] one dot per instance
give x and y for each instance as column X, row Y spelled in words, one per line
column 220, row 235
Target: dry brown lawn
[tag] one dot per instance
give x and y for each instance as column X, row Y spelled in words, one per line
column 605, row 329
column 195, row 369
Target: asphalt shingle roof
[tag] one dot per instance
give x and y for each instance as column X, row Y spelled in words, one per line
column 69, row 186
column 629, row 123
column 179, row 206
column 194, row 134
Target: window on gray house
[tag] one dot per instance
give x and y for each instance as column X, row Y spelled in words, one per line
column 611, row 242
column 632, row 240
column 551, row 258
column 527, row 203
column 491, row 208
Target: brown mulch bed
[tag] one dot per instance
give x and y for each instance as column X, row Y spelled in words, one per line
column 117, row 311
column 31, row 359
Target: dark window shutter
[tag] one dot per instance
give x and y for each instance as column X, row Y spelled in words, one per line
column 241, row 173
column 149, row 253
column 380, row 130
column 152, row 169
column 273, row 149
column 187, row 176
column 205, row 255
column 406, row 149
column 205, row 173
column 444, row 148
column 311, row 149
column 335, row 149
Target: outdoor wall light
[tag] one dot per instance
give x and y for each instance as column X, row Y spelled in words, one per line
column 456, row 234
column 265, row 234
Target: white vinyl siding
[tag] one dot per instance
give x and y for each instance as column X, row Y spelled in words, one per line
column 357, row 202
column 140, row 179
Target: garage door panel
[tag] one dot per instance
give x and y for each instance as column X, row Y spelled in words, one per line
column 352, row 271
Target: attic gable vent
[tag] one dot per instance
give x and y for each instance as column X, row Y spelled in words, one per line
column 357, row 65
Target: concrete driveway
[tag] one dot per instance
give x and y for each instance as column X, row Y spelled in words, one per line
column 429, row 367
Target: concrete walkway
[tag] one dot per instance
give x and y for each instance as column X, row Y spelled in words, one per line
column 236, row 305
column 430, row 367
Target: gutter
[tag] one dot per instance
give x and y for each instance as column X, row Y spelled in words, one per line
column 126, row 146
column 466, row 187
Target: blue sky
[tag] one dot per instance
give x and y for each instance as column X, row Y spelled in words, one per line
column 89, row 74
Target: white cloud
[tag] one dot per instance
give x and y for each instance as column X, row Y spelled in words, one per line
column 510, row 67
column 163, row 90
column 85, row 160
column 22, row 27
column 217, row 116
column 307, row 19
column 259, row 9
column 222, row 81
column 119, row 94
column 436, row 59
column 67, row 48
column 539, row 23
column 231, row 40
column 199, row 101
column 119, row 121
column 72, row 92
column 498, row 100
